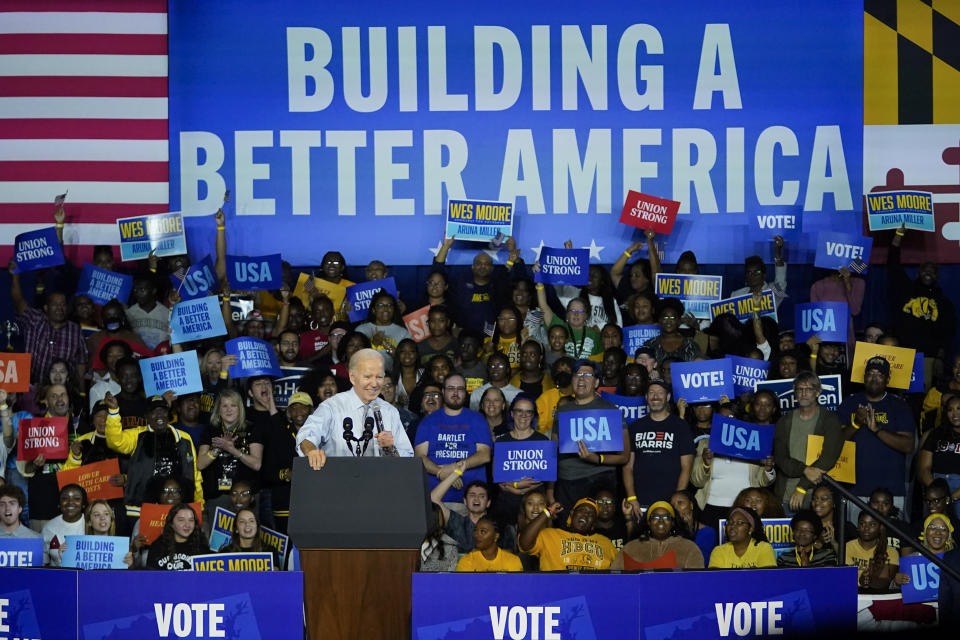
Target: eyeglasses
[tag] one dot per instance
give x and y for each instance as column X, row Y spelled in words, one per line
column 668, row 316
column 506, row 319
column 805, row 390
column 606, row 501
column 583, row 374
column 171, row 491
column 241, row 494
column 940, row 529
column 576, row 311
column 737, row 523
column 432, row 394
column 333, row 262
column 526, row 413
column 383, row 305
column 661, row 517
column 935, row 500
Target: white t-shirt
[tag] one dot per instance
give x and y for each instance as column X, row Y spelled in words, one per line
column 150, row 326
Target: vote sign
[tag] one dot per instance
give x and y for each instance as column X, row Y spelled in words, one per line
column 829, row 320
column 533, row 459
column 632, row 407
column 255, row 273
column 564, row 266
column 360, row 295
column 649, row 212
column 198, row 280
column 102, row 286
column 38, row 249
column 95, row 552
column 254, row 358
column 196, row 319
column 739, row 439
column 15, row 372
column 838, row 250
column 704, row 381
column 177, row 372
column 20, row 552
column 42, row 436
column 600, row 430
column 893, row 209
column 924, row 585
column 694, row 291
column 747, row 372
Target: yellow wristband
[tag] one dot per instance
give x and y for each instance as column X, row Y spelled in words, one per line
column 219, row 228
column 706, row 466
column 460, row 473
column 899, row 232
column 509, row 263
column 799, row 490
column 631, row 498
column 113, row 412
column 601, row 458
column 813, row 355
column 539, row 287
column 854, row 424
column 59, row 225
column 548, row 513
column 627, row 253
column 514, row 485
column 224, row 375
column 211, row 455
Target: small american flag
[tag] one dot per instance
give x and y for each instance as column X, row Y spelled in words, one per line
column 858, row 266
column 59, row 200
column 488, row 328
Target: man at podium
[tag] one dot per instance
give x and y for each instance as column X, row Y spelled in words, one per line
column 357, row 422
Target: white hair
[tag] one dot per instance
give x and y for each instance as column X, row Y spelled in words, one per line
column 365, row 354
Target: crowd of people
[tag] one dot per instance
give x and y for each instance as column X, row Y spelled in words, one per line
column 506, row 355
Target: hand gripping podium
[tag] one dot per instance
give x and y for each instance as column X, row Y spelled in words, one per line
column 359, row 524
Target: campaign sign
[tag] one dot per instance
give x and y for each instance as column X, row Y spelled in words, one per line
column 747, row 372
column 845, row 469
column 154, row 516
column 632, row 407
column 94, row 478
column 649, row 212
column 38, row 249
column 695, row 292
column 254, row 358
column 680, row 605
column 287, row 385
column 787, row 225
column 704, row 381
column 256, row 561
column 221, row 532
column 15, row 372
column 336, row 292
column 600, row 429
column 916, row 376
column 742, row 306
column 416, row 323
column 255, row 273
column 900, row 359
column 779, row 533
column 478, row 220
column 42, row 436
column 161, row 233
column 37, row 603
column 536, row 460
column 20, row 552
column 102, row 286
column 196, row 319
column 636, row 335
column 739, row 439
column 829, row 320
column 177, row 372
column 564, row 266
column 198, row 280
column 924, row 585
column 95, row 552
column 360, row 295
column 837, row 250
column 893, row 209
column 831, row 392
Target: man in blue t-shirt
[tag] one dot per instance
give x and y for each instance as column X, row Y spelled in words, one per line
column 882, row 427
column 452, row 434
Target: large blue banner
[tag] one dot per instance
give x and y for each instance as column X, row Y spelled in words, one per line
column 345, row 123
column 38, row 603
column 651, row 606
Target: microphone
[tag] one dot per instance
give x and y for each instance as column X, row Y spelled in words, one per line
column 368, row 428
column 378, row 418
column 348, row 430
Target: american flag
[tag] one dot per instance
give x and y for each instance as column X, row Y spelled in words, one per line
column 83, row 107
column 858, row 266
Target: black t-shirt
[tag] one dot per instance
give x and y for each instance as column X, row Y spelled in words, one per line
column 617, row 533
column 159, row 558
column 218, row 478
column 657, row 448
column 944, row 443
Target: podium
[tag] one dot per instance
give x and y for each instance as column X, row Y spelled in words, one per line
column 359, row 524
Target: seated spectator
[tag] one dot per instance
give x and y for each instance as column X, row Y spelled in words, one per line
column 935, row 400
column 70, row 522
column 937, row 538
column 531, row 377
column 939, row 456
column 246, row 536
column 531, row 506
column 476, row 498
column 936, row 499
column 438, row 551
column 498, row 375
column 611, row 521
column 875, row 561
column 659, row 544
column 578, row 547
column 12, row 502
column 160, row 490
column 807, row 527
column 824, row 505
column 881, row 499
column 746, row 546
column 703, row 535
column 179, row 541
column 761, row 500
column 486, row 555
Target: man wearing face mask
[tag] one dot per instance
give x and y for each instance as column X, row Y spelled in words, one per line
column 923, row 316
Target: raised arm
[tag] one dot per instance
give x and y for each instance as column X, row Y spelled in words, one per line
column 616, row 271
column 16, row 293
column 221, row 265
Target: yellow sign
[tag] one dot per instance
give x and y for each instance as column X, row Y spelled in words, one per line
column 900, row 359
column 845, row 469
column 336, row 292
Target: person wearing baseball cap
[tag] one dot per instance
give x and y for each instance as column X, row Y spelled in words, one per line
column 883, row 429
column 280, row 450
column 576, row 547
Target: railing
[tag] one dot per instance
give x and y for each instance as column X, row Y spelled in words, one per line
column 846, row 495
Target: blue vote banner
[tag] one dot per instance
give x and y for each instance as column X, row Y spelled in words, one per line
column 255, row 273
column 21, row 552
column 739, row 439
column 38, row 603
column 564, row 266
column 177, row 372
column 831, row 392
column 255, row 357
column 742, row 306
column 837, row 250
column 479, row 220
column 95, row 552
column 372, row 120
column 829, row 320
column 787, row 225
column 704, row 381
column 685, row 605
column 187, row 604
column 360, row 295
column 695, row 292
column 257, row 561
column 893, row 209
column 600, row 429
column 162, row 233
column 924, row 585
column 198, row 280
column 632, row 407
column 779, row 534
column 747, row 372
column 514, row 461
column 221, row 532
column 196, row 319
column 102, row 286
column 38, row 249
column 635, row 335
column 916, row 376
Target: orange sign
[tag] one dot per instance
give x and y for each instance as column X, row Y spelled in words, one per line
column 416, row 322
column 94, row 478
column 15, row 372
column 154, row 516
